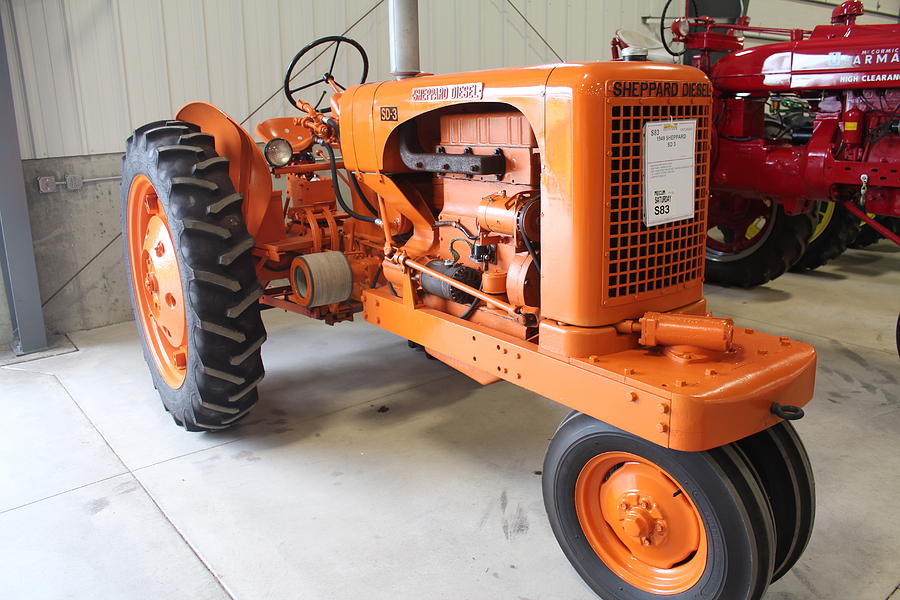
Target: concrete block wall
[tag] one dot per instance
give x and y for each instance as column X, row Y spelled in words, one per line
column 77, row 246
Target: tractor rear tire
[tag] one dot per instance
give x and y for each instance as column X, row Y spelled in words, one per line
column 868, row 235
column 194, row 288
column 836, row 228
column 784, row 243
column 694, row 525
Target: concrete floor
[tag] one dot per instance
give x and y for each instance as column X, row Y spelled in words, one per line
column 320, row 495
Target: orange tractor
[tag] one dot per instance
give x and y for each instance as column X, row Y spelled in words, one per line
column 544, row 226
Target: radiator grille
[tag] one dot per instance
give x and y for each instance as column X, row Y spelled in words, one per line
column 645, row 261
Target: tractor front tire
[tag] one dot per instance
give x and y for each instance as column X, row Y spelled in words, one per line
column 836, row 229
column 639, row 521
column 193, row 288
column 780, row 460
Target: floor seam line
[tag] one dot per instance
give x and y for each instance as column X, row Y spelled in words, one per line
column 77, row 487
column 149, row 495
column 192, row 452
column 183, row 537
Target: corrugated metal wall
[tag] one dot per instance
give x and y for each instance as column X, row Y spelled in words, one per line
column 86, row 72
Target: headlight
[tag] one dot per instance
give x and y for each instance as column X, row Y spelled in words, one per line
column 278, row 152
column 681, row 27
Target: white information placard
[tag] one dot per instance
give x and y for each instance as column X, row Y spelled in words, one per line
column 669, row 155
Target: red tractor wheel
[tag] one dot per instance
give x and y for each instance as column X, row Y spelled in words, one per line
column 752, row 241
column 194, row 289
column 639, row 521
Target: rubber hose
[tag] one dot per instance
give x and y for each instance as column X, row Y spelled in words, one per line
column 337, row 190
column 359, row 193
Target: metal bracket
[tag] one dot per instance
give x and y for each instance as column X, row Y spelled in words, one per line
column 48, row 184
column 864, row 179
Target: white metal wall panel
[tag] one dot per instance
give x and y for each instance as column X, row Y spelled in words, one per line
column 262, row 51
column 26, row 145
column 47, row 78
column 182, row 47
column 86, row 72
column 96, row 63
column 226, row 63
column 143, row 47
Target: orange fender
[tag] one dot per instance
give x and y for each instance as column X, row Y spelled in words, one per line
column 248, row 169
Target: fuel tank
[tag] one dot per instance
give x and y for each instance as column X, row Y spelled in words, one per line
column 833, row 57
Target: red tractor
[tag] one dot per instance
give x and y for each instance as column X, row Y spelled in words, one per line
column 807, row 143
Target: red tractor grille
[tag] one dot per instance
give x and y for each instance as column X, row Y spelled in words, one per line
column 645, row 262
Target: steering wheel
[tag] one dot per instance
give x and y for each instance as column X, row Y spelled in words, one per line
column 327, row 78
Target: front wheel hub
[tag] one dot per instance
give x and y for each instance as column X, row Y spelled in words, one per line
column 640, row 523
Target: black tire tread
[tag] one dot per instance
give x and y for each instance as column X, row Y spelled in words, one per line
column 742, row 475
column 868, row 235
column 839, row 233
column 204, row 212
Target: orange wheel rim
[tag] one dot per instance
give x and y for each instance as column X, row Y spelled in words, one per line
column 641, row 523
column 156, row 277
